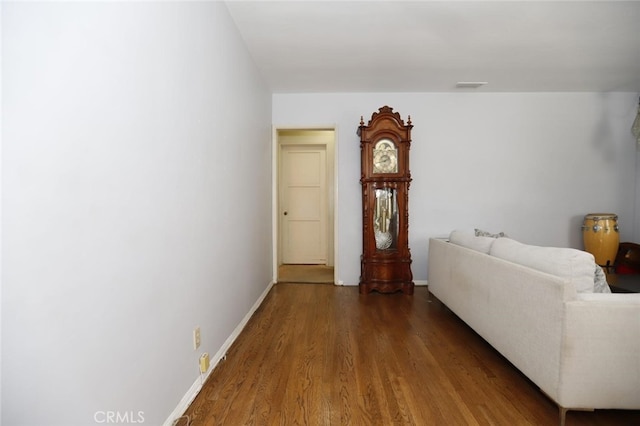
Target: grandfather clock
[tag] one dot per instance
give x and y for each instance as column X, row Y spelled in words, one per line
column 385, row 265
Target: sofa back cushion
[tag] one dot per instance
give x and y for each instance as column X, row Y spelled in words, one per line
column 575, row 265
column 469, row 240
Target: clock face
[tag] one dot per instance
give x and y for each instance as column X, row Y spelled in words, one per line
column 385, row 157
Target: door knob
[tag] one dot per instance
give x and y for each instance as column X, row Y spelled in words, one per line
column 285, row 213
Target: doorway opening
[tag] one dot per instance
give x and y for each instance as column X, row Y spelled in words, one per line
column 305, row 274
column 305, row 204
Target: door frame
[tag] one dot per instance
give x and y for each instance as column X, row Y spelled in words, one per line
column 332, row 190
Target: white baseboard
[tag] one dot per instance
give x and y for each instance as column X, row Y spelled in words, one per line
column 416, row 282
column 195, row 389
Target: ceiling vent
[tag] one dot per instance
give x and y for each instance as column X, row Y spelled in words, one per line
column 470, row 84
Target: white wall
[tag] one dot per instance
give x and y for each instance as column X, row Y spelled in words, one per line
column 529, row 164
column 1, row 274
column 136, row 203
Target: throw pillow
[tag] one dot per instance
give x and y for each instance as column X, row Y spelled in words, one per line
column 600, row 284
column 481, row 233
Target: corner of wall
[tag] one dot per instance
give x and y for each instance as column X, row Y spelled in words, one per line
column 221, row 355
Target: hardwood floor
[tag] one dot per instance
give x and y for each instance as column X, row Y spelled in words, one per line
column 326, row 355
column 315, row 274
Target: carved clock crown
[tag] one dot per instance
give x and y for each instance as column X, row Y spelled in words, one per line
column 387, row 110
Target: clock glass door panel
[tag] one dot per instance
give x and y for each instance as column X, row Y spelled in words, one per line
column 385, row 219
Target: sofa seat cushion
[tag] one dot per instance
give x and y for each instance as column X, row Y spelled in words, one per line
column 575, row 265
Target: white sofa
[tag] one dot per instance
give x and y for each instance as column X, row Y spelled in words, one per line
column 582, row 349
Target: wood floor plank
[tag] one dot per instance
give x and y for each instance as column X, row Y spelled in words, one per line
column 327, row 355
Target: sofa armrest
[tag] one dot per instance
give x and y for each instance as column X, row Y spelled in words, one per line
column 518, row 310
column 601, row 352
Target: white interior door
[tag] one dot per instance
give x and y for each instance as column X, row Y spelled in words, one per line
column 303, row 204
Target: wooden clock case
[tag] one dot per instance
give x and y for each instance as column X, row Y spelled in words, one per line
column 385, row 264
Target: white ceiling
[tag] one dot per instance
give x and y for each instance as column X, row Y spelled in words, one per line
column 426, row 46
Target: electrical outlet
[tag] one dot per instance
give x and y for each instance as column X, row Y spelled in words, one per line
column 196, row 338
column 204, row 362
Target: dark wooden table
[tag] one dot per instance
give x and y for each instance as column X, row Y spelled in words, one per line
column 624, row 283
